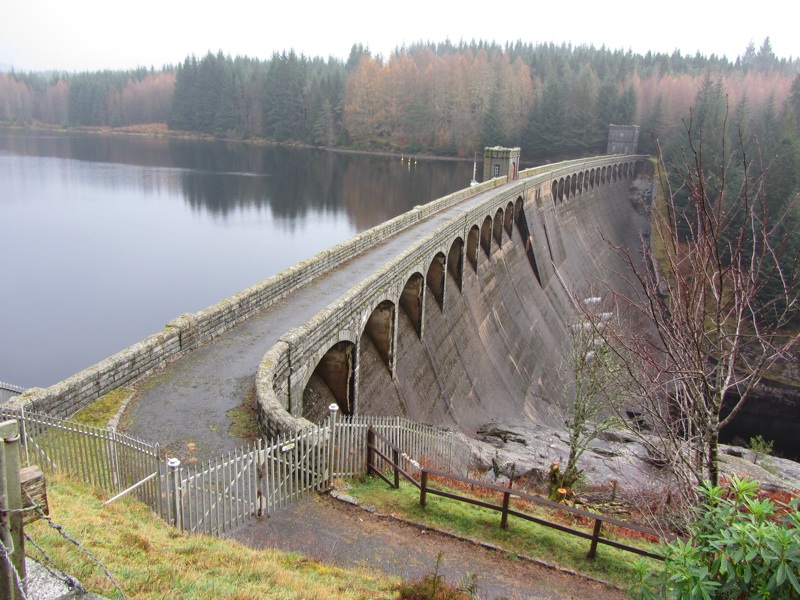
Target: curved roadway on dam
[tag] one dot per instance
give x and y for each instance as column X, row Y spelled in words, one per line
column 185, row 404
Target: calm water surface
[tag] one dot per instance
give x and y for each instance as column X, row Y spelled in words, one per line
column 107, row 238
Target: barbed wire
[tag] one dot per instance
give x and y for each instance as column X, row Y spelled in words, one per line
column 19, row 581
column 68, row 580
column 66, row 536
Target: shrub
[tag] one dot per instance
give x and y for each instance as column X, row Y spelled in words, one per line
column 760, row 447
column 434, row 587
column 740, row 546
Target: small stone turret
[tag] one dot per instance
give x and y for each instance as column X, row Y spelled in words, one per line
column 500, row 162
column 623, row 139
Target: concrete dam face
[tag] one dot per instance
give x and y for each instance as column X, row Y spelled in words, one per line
column 492, row 351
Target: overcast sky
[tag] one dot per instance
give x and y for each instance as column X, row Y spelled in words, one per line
column 78, row 35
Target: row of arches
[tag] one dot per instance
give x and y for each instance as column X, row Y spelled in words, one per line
column 459, row 253
column 572, row 185
column 337, row 368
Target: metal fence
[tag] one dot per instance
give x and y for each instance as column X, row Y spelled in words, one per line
column 9, row 390
column 255, row 481
column 104, row 458
column 422, row 444
column 226, row 492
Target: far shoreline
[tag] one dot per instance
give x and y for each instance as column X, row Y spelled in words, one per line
column 160, row 130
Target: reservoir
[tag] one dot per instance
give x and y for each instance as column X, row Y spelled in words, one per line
column 95, row 227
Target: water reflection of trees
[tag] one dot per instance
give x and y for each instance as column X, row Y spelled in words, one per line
column 125, row 150
column 226, row 177
column 378, row 188
column 293, row 182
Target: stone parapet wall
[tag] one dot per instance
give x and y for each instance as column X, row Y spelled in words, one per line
column 69, row 396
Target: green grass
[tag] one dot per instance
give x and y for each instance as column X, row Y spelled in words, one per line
column 150, row 559
column 100, row 412
column 522, row 537
column 244, row 421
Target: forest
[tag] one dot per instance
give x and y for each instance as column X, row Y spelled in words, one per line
column 446, row 99
column 553, row 101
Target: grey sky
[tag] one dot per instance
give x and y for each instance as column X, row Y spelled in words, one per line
column 91, row 35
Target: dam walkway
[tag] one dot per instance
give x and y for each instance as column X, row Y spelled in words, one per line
column 183, row 406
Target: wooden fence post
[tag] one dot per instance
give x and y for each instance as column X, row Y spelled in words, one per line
column 12, row 568
column 595, row 537
column 423, row 488
column 504, row 518
column 396, row 461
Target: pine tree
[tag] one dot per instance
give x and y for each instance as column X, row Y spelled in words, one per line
column 548, row 119
column 582, row 126
column 284, row 97
column 182, row 112
column 652, row 128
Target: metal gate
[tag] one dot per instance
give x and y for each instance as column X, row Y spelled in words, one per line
column 225, row 493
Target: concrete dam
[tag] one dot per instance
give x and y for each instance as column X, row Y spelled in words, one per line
column 491, row 349
column 452, row 314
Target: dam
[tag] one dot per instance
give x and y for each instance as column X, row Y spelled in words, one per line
column 452, row 314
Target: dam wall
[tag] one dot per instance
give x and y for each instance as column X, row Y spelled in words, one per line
column 463, row 261
column 190, row 330
column 494, row 351
column 471, row 319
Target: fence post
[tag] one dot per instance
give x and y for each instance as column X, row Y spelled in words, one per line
column 111, row 442
column 174, row 465
column 396, row 461
column 334, row 408
column 423, row 487
column 595, row 537
column 261, row 474
column 504, row 518
column 370, row 451
column 23, row 435
column 12, row 565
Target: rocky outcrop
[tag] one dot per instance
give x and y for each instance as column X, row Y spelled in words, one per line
column 506, row 450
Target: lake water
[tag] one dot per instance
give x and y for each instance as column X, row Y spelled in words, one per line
column 106, row 238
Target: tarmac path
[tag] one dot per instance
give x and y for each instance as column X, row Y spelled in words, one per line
column 183, row 407
column 350, row 537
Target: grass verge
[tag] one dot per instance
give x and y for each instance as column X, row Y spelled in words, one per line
column 100, row 412
column 244, row 420
column 522, row 537
column 150, row 559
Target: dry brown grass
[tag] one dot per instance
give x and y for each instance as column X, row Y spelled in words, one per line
column 150, row 559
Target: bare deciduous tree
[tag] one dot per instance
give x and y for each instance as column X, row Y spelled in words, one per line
column 590, row 373
column 709, row 329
